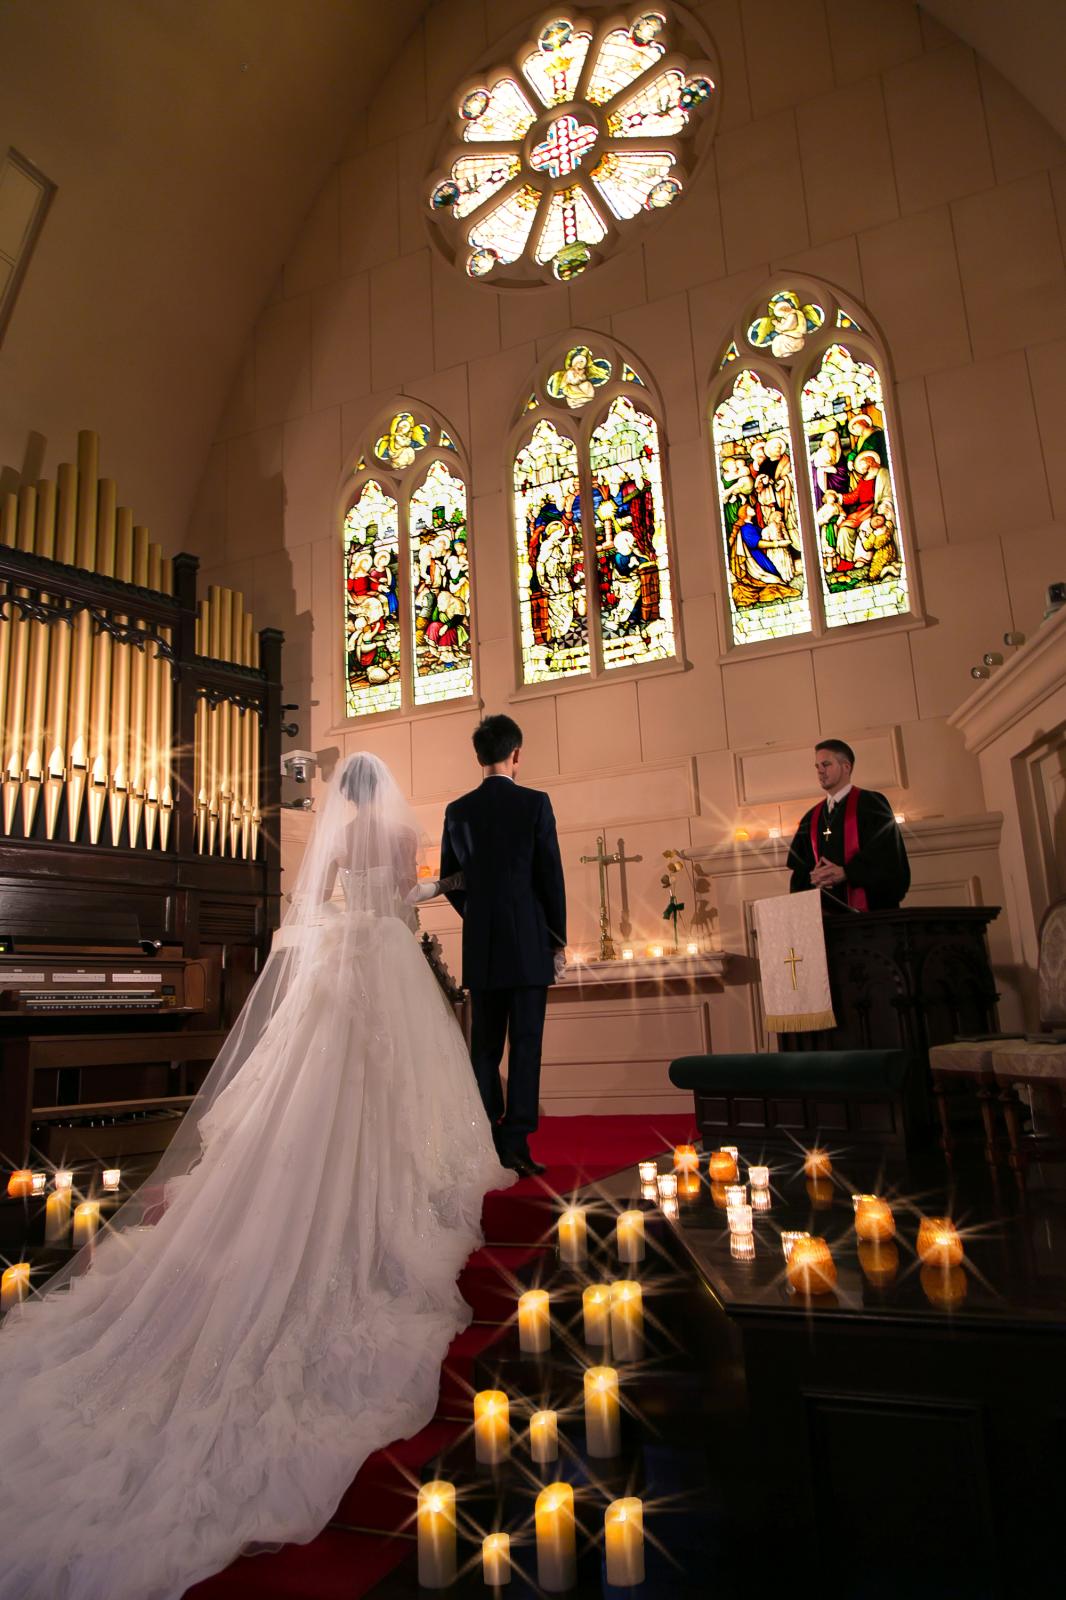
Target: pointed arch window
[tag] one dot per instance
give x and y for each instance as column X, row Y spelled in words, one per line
column 592, row 546
column 407, row 590
column 815, row 535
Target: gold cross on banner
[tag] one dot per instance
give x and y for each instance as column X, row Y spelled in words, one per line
column 792, row 959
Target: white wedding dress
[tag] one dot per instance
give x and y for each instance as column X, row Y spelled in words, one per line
column 276, row 1301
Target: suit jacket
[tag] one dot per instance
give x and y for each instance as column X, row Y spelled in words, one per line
column 502, row 838
column 879, row 866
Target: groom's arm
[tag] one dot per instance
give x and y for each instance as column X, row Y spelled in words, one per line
column 548, row 882
column 451, row 866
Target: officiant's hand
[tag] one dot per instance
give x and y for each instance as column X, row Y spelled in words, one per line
column 827, row 874
column 425, row 889
column 560, row 964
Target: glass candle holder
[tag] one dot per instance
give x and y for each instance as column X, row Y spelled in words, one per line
column 939, row 1244
column 39, row 1182
column 110, row 1180
column 686, row 1158
column 874, row 1221
column 688, row 1186
column 14, row 1285
column 761, row 1200
column 811, row 1269
column 648, row 1170
column 739, row 1219
column 788, row 1240
column 722, row 1167
column 742, row 1246
column 666, row 1183
column 731, row 1150
column 64, row 1179
column 736, row 1194
column 669, row 1210
column 649, row 1191
column 817, row 1164
column 759, row 1177
column 20, row 1184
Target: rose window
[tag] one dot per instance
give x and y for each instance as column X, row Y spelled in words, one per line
column 590, row 130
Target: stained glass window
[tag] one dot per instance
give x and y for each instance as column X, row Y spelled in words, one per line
column 853, row 491
column 552, row 608
column 407, row 633
column 760, row 519
column 632, row 561
column 564, row 165
column 580, row 375
column 784, row 326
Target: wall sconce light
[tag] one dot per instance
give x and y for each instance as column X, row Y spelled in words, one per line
column 980, row 672
column 1014, row 638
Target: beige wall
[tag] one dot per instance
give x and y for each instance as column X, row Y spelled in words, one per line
column 874, row 151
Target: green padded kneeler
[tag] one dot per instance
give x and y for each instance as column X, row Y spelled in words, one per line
column 793, row 1072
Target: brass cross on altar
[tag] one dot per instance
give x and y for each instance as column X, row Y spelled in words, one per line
column 617, row 859
column 792, row 959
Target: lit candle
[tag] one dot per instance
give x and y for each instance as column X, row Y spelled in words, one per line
column 817, row 1164
column 874, row 1221
column 649, row 1171
column 775, row 833
column 20, row 1184
column 603, row 1427
column 759, row 1177
column 731, row 1150
column 722, row 1167
column 669, row 1210
column 688, row 1185
column 939, row 1244
column 111, row 1179
column 742, row 1246
column 811, row 1269
column 492, row 1427
column 556, row 1545
column 14, row 1285
column 544, row 1436
column 86, row 1222
column 900, row 816
column 655, row 950
column 879, row 1262
column 627, row 1321
column 761, row 1200
column 686, row 1158
column 629, row 1235
column 596, row 1310
column 692, row 949
column 623, row 1537
column 649, row 1191
column 436, row 1535
column 627, row 955
column 736, row 1194
column 64, row 1179
column 739, row 1219
column 573, row 1236
column 789, row 1239
column 534, row 1322
column 57, row 1215
column 38, row 1182
column 944, row 1286
column 496, row 1559
column 666, row 1183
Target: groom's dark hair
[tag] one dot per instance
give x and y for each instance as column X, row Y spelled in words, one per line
column 495, row 738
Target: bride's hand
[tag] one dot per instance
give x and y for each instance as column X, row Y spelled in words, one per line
column 426, row 889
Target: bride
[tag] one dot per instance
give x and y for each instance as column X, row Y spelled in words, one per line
column 275, row 1301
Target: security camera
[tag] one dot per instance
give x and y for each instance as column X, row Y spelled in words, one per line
column 299, row 765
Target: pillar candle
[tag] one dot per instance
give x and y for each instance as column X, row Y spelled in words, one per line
column 14, row 1285
column 623, row 1537
column 20, row 1184
column 556, row 1544
column 496, row 1559
column 492, row 1426
column 544, row 1436
column 629, row 1232
column 596, row 1310
column 603, row 1427
column 627, row 1321
column 686, row 1158
column 534, row 1322
column 573, row 1236
column 111, row 1179
column 939, row 1244
column 816, row 1164
column 649, row 1171
column 57, row 1216
column 759, row 1177
column 436, row 1535
column 86, row 1222
column 874, row 1221
column 722, row 1167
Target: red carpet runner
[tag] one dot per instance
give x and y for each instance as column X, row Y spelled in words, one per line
column 360, row 1546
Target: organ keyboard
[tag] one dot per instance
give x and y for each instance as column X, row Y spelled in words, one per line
column 68, row 986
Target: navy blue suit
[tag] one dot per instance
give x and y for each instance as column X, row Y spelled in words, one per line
column 502, row 838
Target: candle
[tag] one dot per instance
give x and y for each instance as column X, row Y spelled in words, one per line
column 939, row 1244
column 692, row 949
column 596, row 1310
column 816, row 1164
column 544, row 1436
column 722, row 1167
column 649, row 1171
column 879, row 1262
column 789, row 1239
column 573, row 1236
column 627, row 1321
column 686, row 1158
column 874, row 1221
column 111, row 1179
column 556, row 1550
column 739, row 1219
column 810, row 1268
column 14, row 1285
column 655, row 950
column 603, row 1428
column 759, row 1177
column 623, row 1537
column 761, row 1199
column 649, row 1191
column 731, row 1150
column 436, row 1535
column 666, row 1183
column 688, row 1185
column 38, row 1182
column 736, row 1194
column 627, row 955
column 629, row 1234
column 57, row 1216
column 742, row 1246
column 64, row 1179
column 496, row 1559
column 669, row 1210
column 20, row 1184
column 534, row 1322
column 86, row 1222
column 492, row 1427
column 943, row 1286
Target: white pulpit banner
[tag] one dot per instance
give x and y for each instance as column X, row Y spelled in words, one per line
column 792, row 964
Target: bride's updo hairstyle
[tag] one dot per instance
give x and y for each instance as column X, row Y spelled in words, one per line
column 359, row 779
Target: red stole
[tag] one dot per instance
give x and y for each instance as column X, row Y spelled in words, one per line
column 856, row 897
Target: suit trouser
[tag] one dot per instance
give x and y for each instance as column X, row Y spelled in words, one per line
column 514, row 1016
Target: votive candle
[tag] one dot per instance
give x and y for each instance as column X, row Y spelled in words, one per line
column 544, row 1436
column 596, row 1311
column 492, row 1427
column 874, row 1221
column 534, row 1321
column 436, row 1535
column 20, row 1184
column 496, row 1559
column 736, row 1194
column 627, row 1321
column 14, row 1285
column 556, row 1545
column 761, row 1200
column 732, row 1150
column 64, row 1179
column 686, row 1158
column 939, row 1244
column 759, row 1177
column 629, row 1235
column 573, row 1236
column 86, row 1222
column 688, row 1185
column 789, row 1239
column 623, row 1538
column 57, row 1215
column 649, row 1171
column 742, row 1246
column 112, row 1177
column 649, row 1191
column 739, row 1219
column 722, row 1167
column 38, row 1182
column 666, row 1183
column 817, row 1164
column 669, row 1210
column 603, row 1425
column 811, row 1269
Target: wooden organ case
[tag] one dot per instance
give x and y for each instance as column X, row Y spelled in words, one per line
column 139, row 789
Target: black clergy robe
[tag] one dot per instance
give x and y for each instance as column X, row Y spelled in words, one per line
column 879, row 866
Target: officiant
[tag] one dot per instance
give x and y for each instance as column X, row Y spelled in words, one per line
column 849, row 845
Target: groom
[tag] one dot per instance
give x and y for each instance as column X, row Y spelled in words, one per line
column 513, row 904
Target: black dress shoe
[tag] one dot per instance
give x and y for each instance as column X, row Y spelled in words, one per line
column 522, row 1162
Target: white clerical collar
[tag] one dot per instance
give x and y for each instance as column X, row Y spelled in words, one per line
column 833, row 800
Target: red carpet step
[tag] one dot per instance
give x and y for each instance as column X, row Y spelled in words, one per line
column 335, row 1566
column 493, row 1278
column 380, row 1497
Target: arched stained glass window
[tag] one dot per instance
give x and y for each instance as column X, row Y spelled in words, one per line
column 833, row 510
column 592, row 545
column 587, row 127
column 407, row 603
